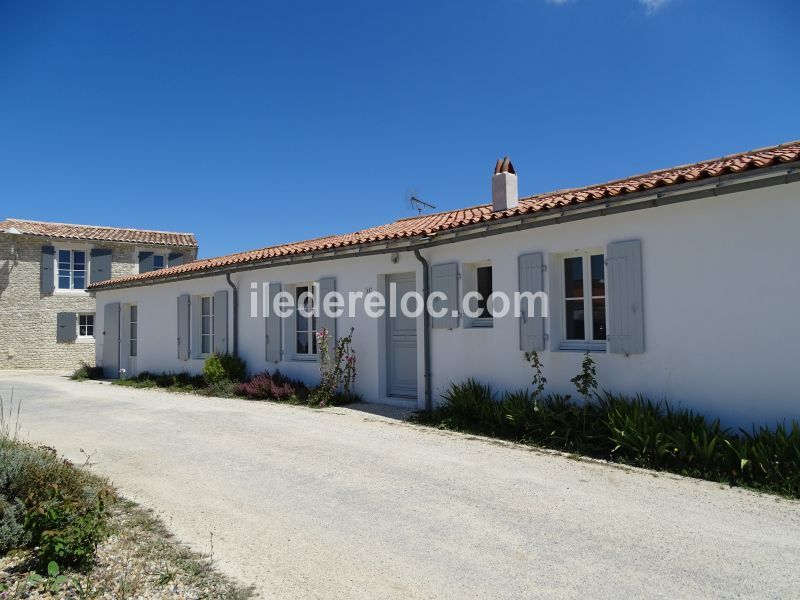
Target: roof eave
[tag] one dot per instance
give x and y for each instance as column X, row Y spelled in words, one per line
column 716, row 186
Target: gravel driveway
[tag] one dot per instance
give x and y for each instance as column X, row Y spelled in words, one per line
column 342, row 503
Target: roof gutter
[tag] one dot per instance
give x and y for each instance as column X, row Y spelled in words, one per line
column 664, row 196
column 426, row 325
column 235, row 314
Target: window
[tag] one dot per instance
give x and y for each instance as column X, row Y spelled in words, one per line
column 71, row 273
column 483, row 275
column 134, row 331
column 479, row 285
column 305, row 322
column 159, row 262
column 86, row 326
column 206, row 324
column 584, row 301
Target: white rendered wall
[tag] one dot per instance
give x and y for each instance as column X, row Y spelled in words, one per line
column 721, row 290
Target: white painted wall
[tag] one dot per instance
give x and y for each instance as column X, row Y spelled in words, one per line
column 721, row 287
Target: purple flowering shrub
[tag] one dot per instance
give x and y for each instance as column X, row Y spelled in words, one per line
column 272, row 386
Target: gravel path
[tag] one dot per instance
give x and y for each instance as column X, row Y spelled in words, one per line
column 342, row 503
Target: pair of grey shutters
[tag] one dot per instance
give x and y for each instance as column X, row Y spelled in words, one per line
column 624, row 291
column 273, row 338
column 99, row 265
column 189, row 325
column 147, row 264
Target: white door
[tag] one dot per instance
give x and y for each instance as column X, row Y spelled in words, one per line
column 401, row 342
column 111, row 341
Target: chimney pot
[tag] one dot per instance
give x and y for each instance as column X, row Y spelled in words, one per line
column 505, row 194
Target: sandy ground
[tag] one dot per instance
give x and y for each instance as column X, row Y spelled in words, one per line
column 342, row 503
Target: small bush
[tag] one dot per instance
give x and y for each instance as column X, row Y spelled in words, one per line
column 12, row 525
column 63, row 510
column 471, row 404
column 176, row 382
column 223, row 388
column 272, row 386
column 220, row 367
column 87, row 371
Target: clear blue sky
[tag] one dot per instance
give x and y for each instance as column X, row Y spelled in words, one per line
column 254, row 123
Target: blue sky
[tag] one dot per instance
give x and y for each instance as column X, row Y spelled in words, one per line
column 255, row 123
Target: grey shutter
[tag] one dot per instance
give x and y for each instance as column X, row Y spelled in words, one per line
column 273, row 325
column 66, row 327
column 183, row 327
column 326, row 285
column 221, row 322
column 174, row 259
column 100, row 265
column 146, row 263
column 531, row 279
column 444, row 278
column 47, row 278
column 625, row 297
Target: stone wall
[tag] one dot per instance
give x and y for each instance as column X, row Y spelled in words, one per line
column 28, row 318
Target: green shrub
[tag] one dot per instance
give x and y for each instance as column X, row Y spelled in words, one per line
column 471, row 405
column 634, row 431
column 63, row 509
column 87, row 371
column 176, row 382
column 221, row 367
column 12, row 525
column 65, row 527
column 224, row 388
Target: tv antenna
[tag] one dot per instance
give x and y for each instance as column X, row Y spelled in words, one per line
column 416, row 203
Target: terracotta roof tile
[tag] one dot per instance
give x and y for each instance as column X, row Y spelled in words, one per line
column 431, row 224
column 96, row 233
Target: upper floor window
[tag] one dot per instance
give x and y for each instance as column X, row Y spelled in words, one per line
column 584, row 299
column 305, row 321
column 71, row 270
column 159, row 261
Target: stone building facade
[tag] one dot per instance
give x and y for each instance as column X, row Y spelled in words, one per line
column 46, row 314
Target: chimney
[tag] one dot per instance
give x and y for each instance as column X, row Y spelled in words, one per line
column 504, row 186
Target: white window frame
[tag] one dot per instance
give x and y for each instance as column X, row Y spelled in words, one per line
column 85, row 338
column 470, row 271
column 71, row 290
column 588, row 324
column 311, row 331
column 133, row 331
column 210, row 335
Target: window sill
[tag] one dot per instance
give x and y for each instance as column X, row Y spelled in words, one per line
column 58, row 292
column 577, row 346
column 85, row 340
column 480, row 323
column 303, row 358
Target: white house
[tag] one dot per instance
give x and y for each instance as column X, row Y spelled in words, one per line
column 682, row 283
